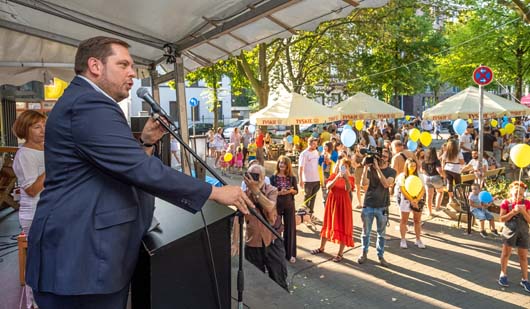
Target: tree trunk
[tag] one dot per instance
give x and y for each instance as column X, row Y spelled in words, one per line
column 519, row 76
column 215, row 104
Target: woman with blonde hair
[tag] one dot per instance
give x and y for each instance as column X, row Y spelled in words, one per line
column 286, row 183
column 407, row 202
column 29, row 169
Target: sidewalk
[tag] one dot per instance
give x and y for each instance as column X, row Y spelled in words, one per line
column 456, row 270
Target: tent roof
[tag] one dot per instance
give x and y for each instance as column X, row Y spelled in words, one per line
column 294, row 109
column 364, row 107
column 465, row 105
column 203, row 31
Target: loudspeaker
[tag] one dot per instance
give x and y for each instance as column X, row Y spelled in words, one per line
column 174, row 268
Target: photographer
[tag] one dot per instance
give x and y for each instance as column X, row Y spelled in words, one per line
column 261, row 247
column 379, row 178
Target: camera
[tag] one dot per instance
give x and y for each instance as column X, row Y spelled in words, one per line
column 370, row 153
column 254, row 176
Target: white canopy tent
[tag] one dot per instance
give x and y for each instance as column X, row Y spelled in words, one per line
column 41, row 35
column 294, row 109
column 465, row 105
column 364, row 107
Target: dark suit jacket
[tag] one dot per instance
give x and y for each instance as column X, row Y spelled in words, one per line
column 98, row 197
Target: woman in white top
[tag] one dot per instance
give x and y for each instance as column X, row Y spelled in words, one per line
column 29, row 169
column 452, row 163
column 406, row 203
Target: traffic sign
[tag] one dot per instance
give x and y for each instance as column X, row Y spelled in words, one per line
column 482, row 75
column 193, row 102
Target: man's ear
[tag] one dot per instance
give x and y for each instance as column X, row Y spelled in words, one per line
column 94, row 67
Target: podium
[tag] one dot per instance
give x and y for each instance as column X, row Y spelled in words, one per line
column 174, row 267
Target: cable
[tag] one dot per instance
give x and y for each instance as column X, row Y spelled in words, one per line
column 210, row 251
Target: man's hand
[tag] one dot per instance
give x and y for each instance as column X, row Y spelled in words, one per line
column 153, row 131
column 232, row 195
column 252, row 185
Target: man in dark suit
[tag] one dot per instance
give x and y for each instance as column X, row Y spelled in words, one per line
column 100, row 185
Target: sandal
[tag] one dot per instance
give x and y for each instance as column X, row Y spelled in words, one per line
column 337, row 258
column 317, row 251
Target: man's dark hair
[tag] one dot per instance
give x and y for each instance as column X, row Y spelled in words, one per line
column 99, row 47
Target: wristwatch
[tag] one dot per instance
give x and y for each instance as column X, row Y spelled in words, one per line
column 145, row 144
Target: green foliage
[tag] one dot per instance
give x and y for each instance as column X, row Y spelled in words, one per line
column 489, row 34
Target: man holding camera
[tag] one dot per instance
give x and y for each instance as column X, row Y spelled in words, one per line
column 379, row 177
column 262, row 248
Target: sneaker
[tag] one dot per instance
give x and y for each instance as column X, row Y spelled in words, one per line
column 362, row 258
column 403, row 244
column 526, row 285
column 503, row 281
column 383, row 262
column 494, row 232
column 483, row 234
column 419, row 244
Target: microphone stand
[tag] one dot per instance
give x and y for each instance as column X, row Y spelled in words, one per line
column 159, row 114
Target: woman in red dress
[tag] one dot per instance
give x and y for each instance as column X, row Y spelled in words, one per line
column 338, row 223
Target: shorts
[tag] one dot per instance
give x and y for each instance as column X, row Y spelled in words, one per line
column 433, row 181
column 519, row 240
column 481, row 214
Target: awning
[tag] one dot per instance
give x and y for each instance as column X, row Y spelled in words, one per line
column 294, row 109
column 202, row 31
column 465, row 105
column 364, row 107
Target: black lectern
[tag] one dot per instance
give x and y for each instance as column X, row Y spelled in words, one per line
column 174, row 269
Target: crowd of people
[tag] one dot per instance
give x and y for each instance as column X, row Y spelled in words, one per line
column 376, row 168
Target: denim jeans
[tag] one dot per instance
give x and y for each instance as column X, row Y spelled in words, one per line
column 367, row 216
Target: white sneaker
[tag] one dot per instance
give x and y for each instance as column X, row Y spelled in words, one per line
column 403, row 244
column 419, row 244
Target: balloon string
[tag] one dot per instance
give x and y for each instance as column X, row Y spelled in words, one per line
column 520, row 176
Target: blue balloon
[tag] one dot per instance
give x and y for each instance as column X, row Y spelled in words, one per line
column 460, row 126
column 505, row 119
column 348, row 137
column 412, row 146
column 290, row 139
column 347, row 127
column 485, row 197
column 504, row 123
column 320, row 148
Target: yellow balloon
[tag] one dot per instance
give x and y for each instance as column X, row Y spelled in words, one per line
column 502, row 131
column 350, row 123
column 414, row 135
column 296, row 139
column 509, row 128
column 520, row 155
column 513, row 120
column 413, row 185
column 359, row 125
column 407, row 118
column 470, row 121
column 228, row 157
column 425, row 139
column 494, row 123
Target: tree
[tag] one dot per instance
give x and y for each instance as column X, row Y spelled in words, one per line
column 493, row 35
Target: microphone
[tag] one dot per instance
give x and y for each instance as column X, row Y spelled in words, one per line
column 144, row 94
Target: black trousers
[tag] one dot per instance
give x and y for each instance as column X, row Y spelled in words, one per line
column 285, row 208
column 116, row 300
column 270, row 259
column 311, row 189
